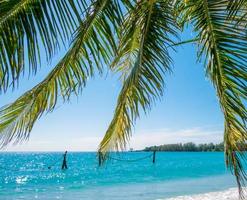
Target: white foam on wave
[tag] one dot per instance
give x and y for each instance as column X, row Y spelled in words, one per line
column 230, row 194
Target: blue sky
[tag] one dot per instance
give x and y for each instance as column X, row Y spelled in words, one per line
column 189, row 110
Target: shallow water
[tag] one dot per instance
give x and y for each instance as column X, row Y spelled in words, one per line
column 26, row 176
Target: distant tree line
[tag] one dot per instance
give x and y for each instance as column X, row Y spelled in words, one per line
column 190, row 146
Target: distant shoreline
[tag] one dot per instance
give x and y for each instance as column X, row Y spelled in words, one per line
column 187, row 147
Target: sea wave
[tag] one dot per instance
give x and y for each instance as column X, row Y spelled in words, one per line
column 230, row 194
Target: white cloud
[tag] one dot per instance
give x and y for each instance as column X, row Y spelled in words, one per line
column 159, row 137
column 139, row 140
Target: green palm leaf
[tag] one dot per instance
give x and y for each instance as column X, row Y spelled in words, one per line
column 237, row 6
column 224, row 46
column 29, row 26
column 142, row 59
column 238, row 11
column 94, row 42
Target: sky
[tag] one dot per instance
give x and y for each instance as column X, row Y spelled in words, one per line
column 188, row 112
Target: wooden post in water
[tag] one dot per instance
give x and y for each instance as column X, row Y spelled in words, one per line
column 154, row 156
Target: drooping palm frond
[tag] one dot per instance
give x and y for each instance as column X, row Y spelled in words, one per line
column 236, row 6
column 142, row 60
column 238, row 11
column 94, row 42
column 26, row 27
column 224, row 46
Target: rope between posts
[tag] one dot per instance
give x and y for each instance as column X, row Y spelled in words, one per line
column 55, row 162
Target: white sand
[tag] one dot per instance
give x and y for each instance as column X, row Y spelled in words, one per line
column 230, row 194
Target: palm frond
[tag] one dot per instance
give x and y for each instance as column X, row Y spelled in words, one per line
column 142, row 60
column 224, row 46
column 190, row 41
column 238, row 11
column 236, row 6
column 29, row 26
column 94, row 42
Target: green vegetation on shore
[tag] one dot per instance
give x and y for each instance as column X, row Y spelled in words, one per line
column 190, row 146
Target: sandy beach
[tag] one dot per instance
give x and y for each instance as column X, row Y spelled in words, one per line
column 230, row 194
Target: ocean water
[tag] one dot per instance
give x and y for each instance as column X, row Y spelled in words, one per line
column 26, row 176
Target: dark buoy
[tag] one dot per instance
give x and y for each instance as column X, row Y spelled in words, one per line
column 154, row 156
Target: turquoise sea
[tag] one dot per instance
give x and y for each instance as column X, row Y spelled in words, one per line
column 26, row 176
